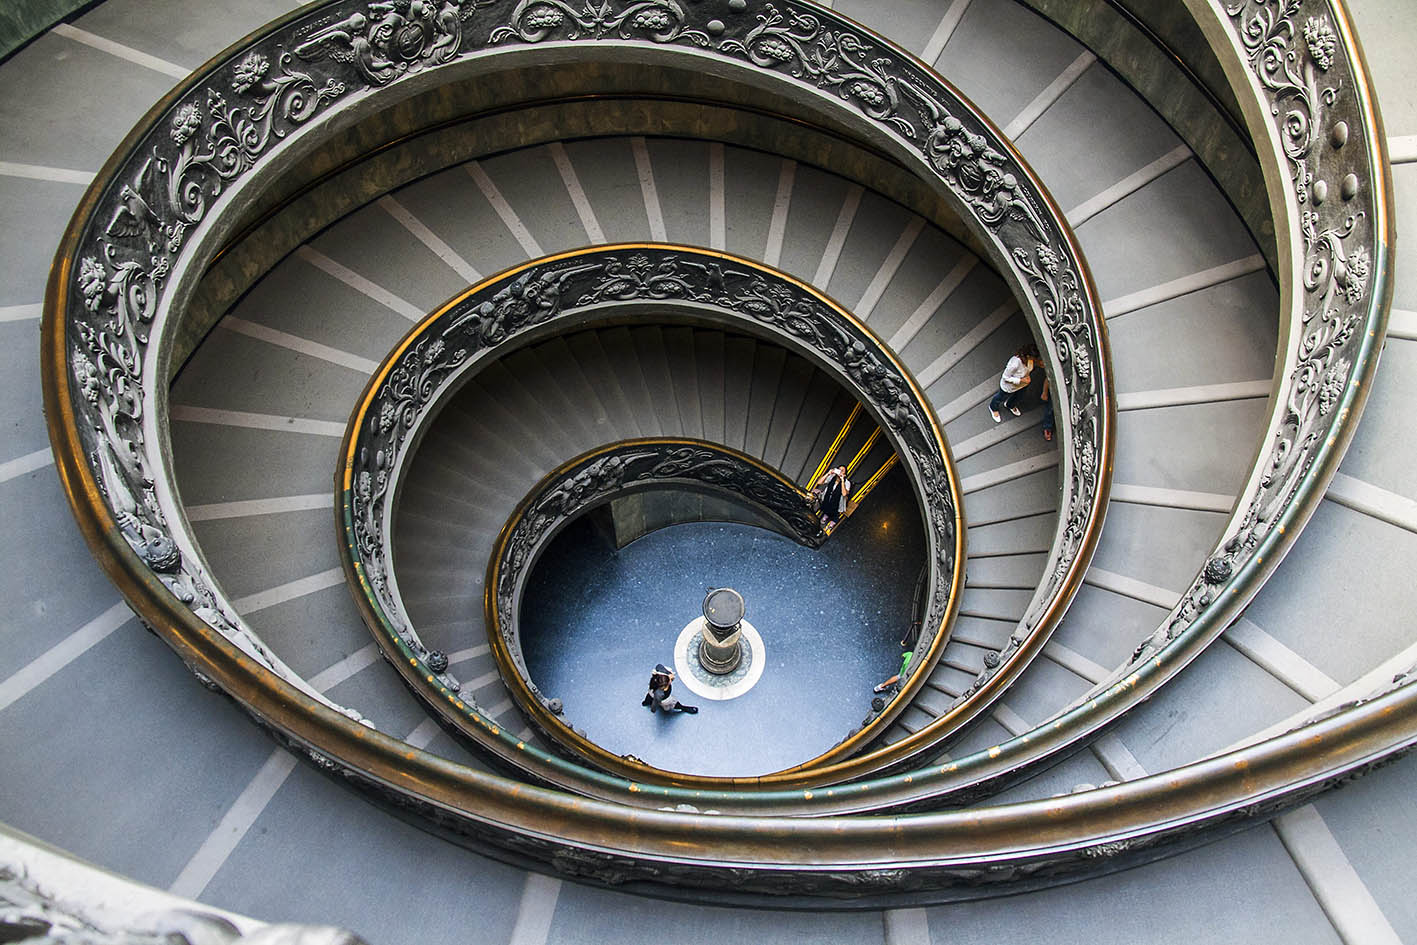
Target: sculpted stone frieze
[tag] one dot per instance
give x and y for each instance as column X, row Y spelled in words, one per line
column 581, row 485
column 234, row 114
column 472, row 328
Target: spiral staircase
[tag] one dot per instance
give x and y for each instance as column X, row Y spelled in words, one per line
column 1125, row 775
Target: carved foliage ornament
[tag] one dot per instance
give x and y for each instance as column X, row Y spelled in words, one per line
column 1302, row 73
column 499, row 311
column 228, row 119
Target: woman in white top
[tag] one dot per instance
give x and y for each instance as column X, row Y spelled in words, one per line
column 1014, row 381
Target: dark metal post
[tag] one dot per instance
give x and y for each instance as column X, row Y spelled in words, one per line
column 722, row 646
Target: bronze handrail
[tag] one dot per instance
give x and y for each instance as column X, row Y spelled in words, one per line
column 1318, row 398
column 440, row 354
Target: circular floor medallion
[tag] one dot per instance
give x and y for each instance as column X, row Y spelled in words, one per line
column 703, row 683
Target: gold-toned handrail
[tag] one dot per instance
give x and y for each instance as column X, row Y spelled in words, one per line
column 670, row 846
column 440, row 353
column 876, row 477
column 831, row 452
column 861, row 453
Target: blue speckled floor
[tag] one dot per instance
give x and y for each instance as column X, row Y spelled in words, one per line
column 598, row 620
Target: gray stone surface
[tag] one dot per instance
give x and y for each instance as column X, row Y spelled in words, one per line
column 165, row 28
column 1372, row 820
column 213, row 463
column 1383, row 452
column 1191, row 447
column 874, row 232
column 911, row 23
column 1218, row 699
column 231, row 371
column 1237, row 317
column 681, row 175
column 68, row 105
column 1209, row 894
column 258, row 552
column 378, row 247
column 607, row 172
column 1383, row 27
column 152, row 757
column 450, row 205
column 65, row 104
column 586, row 917
column 301, row 300
column 1002, row 55
column 23, row 424
column 1327, row 603
column 1176, row 226
column 52, row 587
column 817, row 199
column 33, row 214
column 532, row 186
column 314, row 631
column 749, row 188
column 1106, row 627
column 306, row 831
column 1097, row 133
column 932, row 256
column 1157, row 545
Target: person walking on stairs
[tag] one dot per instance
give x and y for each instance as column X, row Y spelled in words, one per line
column 831, row 492
column 1014, row 381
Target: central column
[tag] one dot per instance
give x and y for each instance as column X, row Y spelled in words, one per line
column 722, row 647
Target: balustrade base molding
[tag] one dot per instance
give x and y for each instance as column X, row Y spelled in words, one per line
column 50, row 897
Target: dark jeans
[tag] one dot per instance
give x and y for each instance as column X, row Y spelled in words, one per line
column 1005, row 398
column 1048, row 416
column 662, row 700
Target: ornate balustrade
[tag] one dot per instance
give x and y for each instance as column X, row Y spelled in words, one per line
column 154, row 218
column 550, row 295
column 588, row 482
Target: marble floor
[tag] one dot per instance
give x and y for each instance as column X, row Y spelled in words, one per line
column 597, row 620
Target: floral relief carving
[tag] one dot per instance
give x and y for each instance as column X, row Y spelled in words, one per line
column 1290, row 45
column 226, row 123
column 595, row 279
column 662, row 21
column 391, row 38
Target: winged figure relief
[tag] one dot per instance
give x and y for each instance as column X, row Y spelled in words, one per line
column 133, row 217
column 392, row 38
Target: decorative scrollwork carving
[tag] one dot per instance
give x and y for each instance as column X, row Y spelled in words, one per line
column 1290, row 46
column 662, row 21
column 389, row 39
column 226, row 123
column 474, row 327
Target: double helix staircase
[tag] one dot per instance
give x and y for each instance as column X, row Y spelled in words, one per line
column 124, row 759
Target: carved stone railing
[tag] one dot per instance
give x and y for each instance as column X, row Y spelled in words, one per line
column 49, row 897
column 157, row 214
column 1307, row 98
column 588, row 482
column 149, row 224
column 445, row 350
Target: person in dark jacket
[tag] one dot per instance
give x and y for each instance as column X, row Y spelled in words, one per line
column 660, row 694
column 831, row 492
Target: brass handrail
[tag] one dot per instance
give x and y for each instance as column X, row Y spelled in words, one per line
column 605, row 473
column 134, row 536
column 441, row 352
